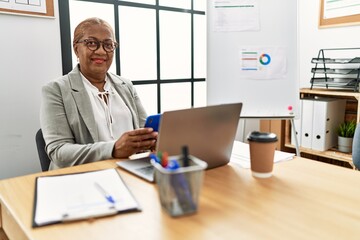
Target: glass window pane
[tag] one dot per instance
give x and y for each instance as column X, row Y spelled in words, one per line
column 177, row 3
column 175, row 45
column 148, row 97
column 199, row 94
column 152, row 2
column 77, row 15
column 199, row 46
column 137, row 43
column 175, row 96
column 200, row 5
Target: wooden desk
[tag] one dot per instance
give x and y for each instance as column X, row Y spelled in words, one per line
column 304, row 199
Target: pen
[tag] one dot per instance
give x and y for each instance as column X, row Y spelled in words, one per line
column 182, row 188
column 173, row 165
column 153, row 156
column 185, row 153
column 108, row 197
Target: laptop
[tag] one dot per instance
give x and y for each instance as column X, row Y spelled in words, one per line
column 208, row 132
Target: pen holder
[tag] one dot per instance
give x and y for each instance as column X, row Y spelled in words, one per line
column 179, row 188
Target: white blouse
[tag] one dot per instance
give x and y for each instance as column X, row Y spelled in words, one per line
column 112, row 116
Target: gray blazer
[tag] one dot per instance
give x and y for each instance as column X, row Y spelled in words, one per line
column 68, row 122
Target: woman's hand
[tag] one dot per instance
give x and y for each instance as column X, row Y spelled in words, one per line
column 134, row 141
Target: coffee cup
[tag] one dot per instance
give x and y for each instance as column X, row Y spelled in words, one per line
column 262, row 151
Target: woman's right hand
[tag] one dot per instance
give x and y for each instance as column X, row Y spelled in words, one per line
column 134, row 141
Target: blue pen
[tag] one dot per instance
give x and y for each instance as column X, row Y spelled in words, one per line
column 108, row 197
column 182, row 187
column 173, row 165
column 156, row 159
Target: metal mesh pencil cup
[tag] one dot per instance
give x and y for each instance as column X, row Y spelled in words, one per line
column 179, row 189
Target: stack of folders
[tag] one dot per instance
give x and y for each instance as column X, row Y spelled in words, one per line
column 241, row 155
column 81, row 196
column 319, row 121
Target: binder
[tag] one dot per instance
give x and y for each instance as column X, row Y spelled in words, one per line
column 297, row 123
column 306, row 122
column 79, row 196
column 327, row 115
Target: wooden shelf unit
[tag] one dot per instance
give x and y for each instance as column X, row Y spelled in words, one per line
column 349, row 95
column 333, row 154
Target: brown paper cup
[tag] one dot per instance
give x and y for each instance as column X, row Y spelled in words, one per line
column 262, row 151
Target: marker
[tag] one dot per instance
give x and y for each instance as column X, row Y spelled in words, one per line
column 185, row 153
column 164, row 159
column 159, row 156
column 153, row 156
column 173, row 165
column 290, row 108
column 108, row 197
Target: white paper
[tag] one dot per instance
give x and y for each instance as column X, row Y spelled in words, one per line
column 236, row 15
column 341, row 8
column 76, row 194
column 262, row 62
column 241, row 155
column 38, row 6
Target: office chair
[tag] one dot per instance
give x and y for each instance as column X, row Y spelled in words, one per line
column 356, row 148
column 40, row 144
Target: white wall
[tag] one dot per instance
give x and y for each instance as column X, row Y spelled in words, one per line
column 312, row 39
column 30, row 55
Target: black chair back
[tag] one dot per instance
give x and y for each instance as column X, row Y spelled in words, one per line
column 40, row 144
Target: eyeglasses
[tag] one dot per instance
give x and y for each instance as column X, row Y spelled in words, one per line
column 93, row 44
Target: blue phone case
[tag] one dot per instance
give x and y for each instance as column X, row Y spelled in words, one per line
column 153, row 121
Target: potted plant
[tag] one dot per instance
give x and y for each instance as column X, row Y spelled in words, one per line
column 346, row 131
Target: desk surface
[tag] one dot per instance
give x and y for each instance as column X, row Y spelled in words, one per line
column 304, row 199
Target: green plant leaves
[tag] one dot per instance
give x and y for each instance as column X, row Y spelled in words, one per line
column 347, row 129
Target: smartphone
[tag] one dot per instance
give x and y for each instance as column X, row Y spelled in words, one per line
column 153, row 121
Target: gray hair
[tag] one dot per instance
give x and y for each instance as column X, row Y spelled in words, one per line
column 79, row 31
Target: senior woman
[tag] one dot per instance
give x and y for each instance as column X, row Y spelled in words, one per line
column 91, row 114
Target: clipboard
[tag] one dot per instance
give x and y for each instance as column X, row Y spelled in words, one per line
column 78, row 196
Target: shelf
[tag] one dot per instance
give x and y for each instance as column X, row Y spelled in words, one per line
column 331, row 154
column 335, row 60
column 335, row 71
column 348, row 83
column 307, row 92
column 331, row 63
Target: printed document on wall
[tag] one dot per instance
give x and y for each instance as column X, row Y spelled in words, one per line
column 262, row 62
column 236, row 15
column 342, row 8
column 38, row 6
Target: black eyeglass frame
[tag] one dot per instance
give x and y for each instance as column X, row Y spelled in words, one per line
column 98, row 43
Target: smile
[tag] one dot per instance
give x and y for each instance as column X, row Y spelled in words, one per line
column 98, row 60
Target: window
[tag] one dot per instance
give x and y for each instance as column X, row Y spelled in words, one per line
column 162, row 47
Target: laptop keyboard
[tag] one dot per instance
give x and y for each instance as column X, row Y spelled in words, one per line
column 149, row 170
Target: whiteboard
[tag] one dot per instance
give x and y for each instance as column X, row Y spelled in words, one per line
column 273, row 94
